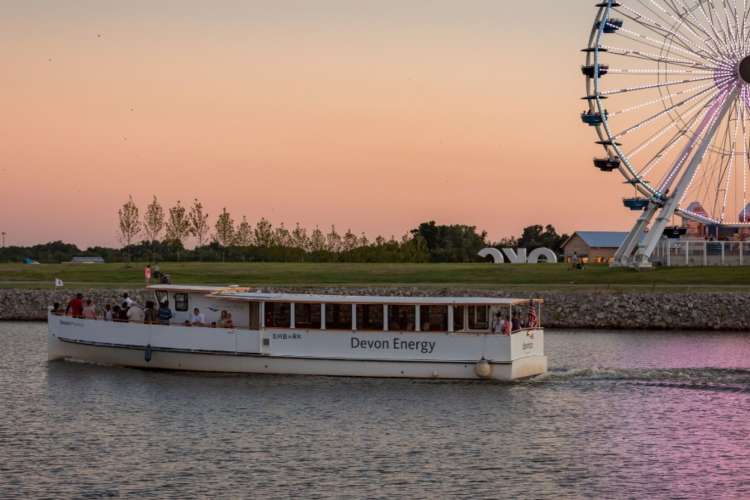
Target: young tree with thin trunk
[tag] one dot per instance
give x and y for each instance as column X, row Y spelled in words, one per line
column 300, row 238
column 349, row 242
column 153, row 222
column 244, row 236
column 178, row 225
column 264, row 236
column 225, row 234
column 363, row 241
column 282, row 237
column 317, row 240
column 333, row 241
column 198, row 222
column 130, row 223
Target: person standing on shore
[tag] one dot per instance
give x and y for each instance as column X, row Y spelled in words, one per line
column 147, row 274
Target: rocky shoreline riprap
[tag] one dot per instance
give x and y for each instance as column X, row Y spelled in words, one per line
column 597, row 309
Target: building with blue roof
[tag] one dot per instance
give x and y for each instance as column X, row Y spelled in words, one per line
column 597, row 247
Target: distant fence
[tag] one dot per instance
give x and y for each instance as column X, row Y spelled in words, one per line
column 673, row 253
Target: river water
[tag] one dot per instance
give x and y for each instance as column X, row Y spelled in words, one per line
column 620, row 415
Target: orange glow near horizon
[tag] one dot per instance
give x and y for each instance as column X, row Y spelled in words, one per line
column 375, row 117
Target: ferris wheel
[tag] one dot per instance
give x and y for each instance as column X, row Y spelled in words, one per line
column 668, row 93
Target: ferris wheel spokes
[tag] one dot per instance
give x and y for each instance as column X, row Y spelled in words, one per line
column 675, row 75
column 711, row 123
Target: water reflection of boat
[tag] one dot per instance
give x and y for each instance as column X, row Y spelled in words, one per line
column 308, row 334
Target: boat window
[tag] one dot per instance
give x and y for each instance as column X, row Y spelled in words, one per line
column 458, row 318
column 401, row 318
column 339, row 316
column 278, row 314
column 433, row 318
column 369, row 317
column 479, row 317
column 307, row 316
column 181, row 301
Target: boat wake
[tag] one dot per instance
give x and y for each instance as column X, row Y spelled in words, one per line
column 712, row 379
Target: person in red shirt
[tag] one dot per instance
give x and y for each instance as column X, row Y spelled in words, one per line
column 75, row 306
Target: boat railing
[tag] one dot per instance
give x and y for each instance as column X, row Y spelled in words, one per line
column 215, row 325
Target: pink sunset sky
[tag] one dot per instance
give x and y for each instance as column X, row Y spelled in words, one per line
column 370, row 115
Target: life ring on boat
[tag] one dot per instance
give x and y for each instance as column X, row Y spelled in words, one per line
column 483, row 369
column 147, row 353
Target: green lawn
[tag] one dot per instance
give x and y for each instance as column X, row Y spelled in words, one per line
column 530, row 277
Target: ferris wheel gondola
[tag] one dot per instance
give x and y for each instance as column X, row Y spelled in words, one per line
column 668, row 93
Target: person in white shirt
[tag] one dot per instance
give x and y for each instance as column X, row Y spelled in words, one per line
column 127, row 299
column 197, row 319
column 497, row 323
column 108, row 312
column 135, row 313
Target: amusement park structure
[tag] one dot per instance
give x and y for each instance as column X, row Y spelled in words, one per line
column 668, row 93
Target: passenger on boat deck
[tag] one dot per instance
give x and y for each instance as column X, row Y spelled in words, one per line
column 116, row 314
column 197, row 319
column 507, row 325
column 515, row 323
column 497, row 323
column 124, row 311
column 149, row 315
column 225, row 321
column 128, row 301
column 213, row 324
column 108, row 312
column 187, row 323
column 89, row 310
column 135, row 313
column 56, row 309
column 75, row 306
column 147, row 274
column 165, row 313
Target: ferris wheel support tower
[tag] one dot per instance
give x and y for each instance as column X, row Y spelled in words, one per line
column 643, row 241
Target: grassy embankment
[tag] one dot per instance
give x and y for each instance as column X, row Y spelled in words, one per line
column 477, row 276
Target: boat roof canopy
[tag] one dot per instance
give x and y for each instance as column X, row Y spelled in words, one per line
column 243, row 294
column 194, row 288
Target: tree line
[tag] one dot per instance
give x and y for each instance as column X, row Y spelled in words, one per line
column 160, row 234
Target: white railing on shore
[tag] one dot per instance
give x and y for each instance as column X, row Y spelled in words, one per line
column 693, row 253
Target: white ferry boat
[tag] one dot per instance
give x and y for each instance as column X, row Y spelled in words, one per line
column 306, row 334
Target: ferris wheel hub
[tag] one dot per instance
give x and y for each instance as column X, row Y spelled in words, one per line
column 743, row 69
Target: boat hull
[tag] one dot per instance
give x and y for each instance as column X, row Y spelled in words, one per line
column 88, row 343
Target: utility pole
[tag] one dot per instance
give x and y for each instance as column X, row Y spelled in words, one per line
column 3, row 239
